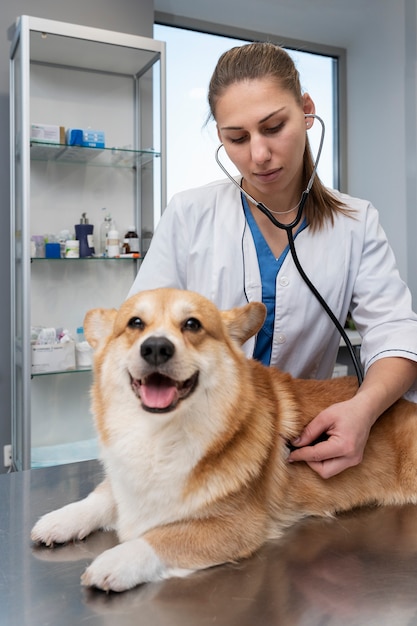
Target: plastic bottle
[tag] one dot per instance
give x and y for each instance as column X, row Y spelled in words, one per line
column 104, row 231
column 80, row 334
column 83, row 350
column 113, row 243
column 131, row 240
column 84, row 234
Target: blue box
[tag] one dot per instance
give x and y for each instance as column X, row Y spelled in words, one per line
column 52, row 251
column 93, row 139
column 85, row 138
column 74, row 137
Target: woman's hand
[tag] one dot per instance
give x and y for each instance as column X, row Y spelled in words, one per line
column 346, row 425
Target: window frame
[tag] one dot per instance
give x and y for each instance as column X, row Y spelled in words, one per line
column 339, row 74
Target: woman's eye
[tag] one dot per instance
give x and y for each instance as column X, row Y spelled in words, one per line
column 237, row 139
column 274, row 129
column 192, row 324
column 137, row 323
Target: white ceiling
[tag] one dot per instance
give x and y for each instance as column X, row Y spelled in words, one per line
column 301, row 19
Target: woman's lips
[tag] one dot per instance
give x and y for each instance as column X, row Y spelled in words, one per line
column 267, row 177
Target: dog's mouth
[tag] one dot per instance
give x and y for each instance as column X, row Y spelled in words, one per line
column 160, row 394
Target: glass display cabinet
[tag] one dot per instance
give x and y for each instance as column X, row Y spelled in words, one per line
column 87, row 118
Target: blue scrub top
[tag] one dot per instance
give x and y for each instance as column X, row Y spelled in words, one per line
column 269, row 267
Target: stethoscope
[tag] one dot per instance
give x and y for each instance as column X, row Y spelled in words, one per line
column 289, row 230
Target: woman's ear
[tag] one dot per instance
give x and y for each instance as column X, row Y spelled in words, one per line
column 309, row 109
column 308, row 105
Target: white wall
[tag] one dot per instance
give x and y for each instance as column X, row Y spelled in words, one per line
column 381, row 103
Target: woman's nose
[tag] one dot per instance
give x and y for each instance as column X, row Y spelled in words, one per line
column 260, row 151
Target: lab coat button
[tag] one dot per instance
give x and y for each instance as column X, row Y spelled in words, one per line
column 281, row 338
column 284, row 281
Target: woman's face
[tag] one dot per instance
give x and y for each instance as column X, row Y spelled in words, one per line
column 263, row 129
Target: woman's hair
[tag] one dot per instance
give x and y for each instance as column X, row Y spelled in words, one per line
column 266, row 60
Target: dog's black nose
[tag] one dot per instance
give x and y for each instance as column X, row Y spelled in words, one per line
column 157, row 350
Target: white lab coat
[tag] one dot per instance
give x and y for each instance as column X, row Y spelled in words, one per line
column 203, row 243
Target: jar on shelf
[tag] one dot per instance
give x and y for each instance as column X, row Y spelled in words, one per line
column 72, row 249
column 131, row 241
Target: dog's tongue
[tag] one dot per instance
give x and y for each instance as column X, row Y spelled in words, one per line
column 158, row 392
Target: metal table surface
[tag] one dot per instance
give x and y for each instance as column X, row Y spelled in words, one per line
column 359, row 569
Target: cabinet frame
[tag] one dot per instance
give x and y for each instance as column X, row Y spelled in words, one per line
column 20, row 181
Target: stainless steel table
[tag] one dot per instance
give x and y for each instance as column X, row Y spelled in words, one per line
column 360, row 569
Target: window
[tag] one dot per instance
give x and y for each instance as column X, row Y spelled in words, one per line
column 191, row 58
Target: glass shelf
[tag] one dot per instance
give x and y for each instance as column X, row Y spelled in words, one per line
column 61, row 453
column 89, row 258
column 76, row 370
column 98, row 157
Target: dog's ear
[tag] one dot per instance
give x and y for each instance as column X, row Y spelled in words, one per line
column 98, row 325
column 244, row 322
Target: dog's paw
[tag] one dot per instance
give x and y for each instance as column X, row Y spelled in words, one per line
column 61, row 526
column 127, row 565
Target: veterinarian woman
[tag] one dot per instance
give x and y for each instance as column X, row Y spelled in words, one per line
column 214, row 241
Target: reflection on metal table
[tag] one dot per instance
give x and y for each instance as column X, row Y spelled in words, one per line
column 358, row 569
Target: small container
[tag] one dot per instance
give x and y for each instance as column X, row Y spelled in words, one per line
column 83, row 350
column 80, row 334
column 52, row 250
column 72, row 249
column 113, row 244
column 131, row 240
column 37, row 243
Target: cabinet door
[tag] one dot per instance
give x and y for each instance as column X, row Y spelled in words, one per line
column 72, row 77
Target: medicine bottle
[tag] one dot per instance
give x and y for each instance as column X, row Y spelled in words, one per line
column 113, row 245
column 131, row 240
column 104, row 233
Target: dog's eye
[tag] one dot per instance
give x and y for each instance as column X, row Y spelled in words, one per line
column 192, row 324
column 137, row 323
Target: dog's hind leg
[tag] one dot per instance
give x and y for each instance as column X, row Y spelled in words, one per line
column 77, row 520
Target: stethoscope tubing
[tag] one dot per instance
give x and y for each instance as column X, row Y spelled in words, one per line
column 289, row 230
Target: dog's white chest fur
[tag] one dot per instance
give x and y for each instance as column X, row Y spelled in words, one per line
column 148, row 477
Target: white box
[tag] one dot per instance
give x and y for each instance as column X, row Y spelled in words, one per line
column 47, row 133
column 55, row 357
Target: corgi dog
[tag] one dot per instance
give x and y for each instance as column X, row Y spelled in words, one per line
column 193, row 440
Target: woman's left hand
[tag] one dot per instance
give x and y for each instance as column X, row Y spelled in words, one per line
column 347, row 424
column 347, row 432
